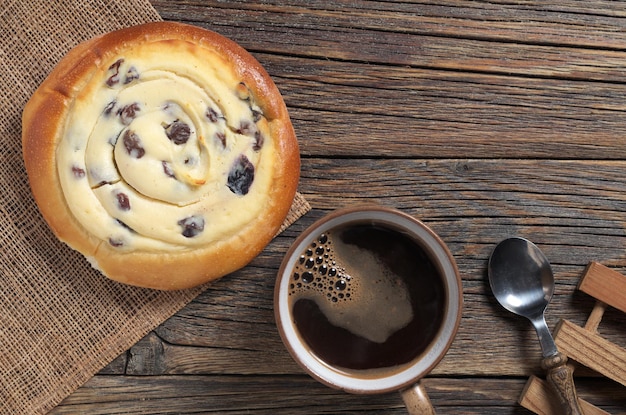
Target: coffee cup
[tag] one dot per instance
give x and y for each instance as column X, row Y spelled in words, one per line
column 368, row 300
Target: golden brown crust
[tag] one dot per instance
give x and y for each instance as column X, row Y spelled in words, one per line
column 44, row 119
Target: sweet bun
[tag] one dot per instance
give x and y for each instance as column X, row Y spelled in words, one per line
column 163, row 153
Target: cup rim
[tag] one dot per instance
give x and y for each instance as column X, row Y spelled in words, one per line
column 409, row 373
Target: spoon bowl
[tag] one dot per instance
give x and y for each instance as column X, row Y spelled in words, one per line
column 521, row 277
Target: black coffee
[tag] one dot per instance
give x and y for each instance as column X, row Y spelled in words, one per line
column 366, row 297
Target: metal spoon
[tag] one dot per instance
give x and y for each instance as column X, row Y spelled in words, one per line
column 521, row 280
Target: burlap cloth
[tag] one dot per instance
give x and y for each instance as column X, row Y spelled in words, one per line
column 60, row 321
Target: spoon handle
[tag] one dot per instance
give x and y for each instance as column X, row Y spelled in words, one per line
column 562, row 382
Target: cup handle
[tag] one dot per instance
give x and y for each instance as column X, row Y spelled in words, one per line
column 416, row 400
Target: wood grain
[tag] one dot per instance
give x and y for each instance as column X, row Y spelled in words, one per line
column 408, row 112
column 105, row 395
column 592, row 351
column 484, row 119
column 604, row 284
column 538, row 397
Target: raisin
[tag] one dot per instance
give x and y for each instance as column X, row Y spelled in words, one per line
column 131, row 75
column 132, row 143
column 258, row 141
column 128, row 113
column 116, row 242
column 241, row 176
column 167, row 169
column 212, row 115
column 256, row 114
column 245, row 128
column 123, row 202
column 178, row 132
column 221, row 137
column 115, row 77
column 109, row 108
column 78, row 172
column 192, row 226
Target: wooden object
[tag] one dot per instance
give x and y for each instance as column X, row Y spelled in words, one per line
column 538, row 398
column 592, row 351
column 605, row 285
column 561, row 380
column 585, row 345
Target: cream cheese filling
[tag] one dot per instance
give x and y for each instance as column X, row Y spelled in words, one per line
column 162, row 156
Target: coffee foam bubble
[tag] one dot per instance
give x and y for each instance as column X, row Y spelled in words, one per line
column 352, row 287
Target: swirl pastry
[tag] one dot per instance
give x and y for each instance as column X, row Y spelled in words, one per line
column 163, row 152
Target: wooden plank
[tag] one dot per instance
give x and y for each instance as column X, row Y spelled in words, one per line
column 300, row 395
column 605, row 284
column 433, row 52
column 539, row 398
column 268, row 394
column 592, row 350
column 594, row 24
column 499, row 115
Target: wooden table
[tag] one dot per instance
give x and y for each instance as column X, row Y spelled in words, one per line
column 484, row 119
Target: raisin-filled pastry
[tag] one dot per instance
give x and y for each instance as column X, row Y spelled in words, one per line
column 163, row 152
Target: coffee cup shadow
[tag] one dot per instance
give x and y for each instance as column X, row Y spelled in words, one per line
column 368, row 300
